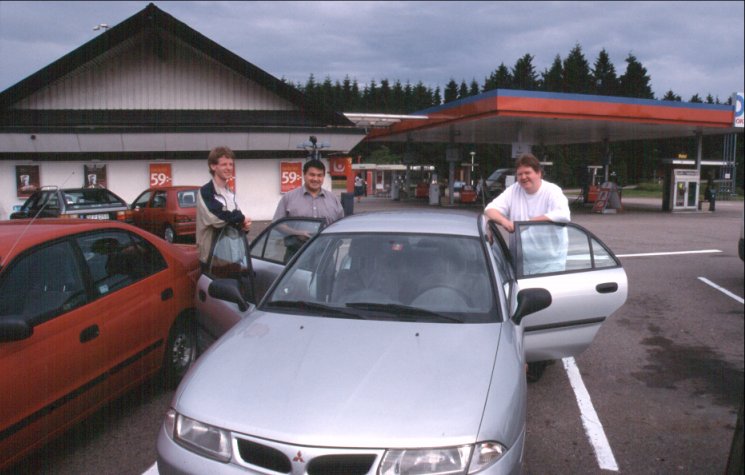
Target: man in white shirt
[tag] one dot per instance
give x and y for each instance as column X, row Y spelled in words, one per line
column 530, row 198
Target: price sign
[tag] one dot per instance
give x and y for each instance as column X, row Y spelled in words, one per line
column 160, row 174
column 290, row 176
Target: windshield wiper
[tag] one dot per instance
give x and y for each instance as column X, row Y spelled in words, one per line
column 402, row 310
column 314, row 306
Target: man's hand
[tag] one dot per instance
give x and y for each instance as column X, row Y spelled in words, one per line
column 246, row 224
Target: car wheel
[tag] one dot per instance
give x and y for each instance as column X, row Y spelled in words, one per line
column 181, row 351
column 169, row 234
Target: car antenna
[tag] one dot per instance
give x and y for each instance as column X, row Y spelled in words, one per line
column 18, row 239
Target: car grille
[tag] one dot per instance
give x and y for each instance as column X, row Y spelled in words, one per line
column 282, row 458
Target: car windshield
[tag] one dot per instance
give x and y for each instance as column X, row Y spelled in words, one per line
column 401, row 277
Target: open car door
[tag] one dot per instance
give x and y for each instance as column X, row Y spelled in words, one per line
column 585, row 279
column 237, row 277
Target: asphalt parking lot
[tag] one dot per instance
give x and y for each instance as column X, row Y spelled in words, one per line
column 657, row 392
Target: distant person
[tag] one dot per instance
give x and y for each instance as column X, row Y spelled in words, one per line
column 216, row 205
column 310, row 200
column 359, row 187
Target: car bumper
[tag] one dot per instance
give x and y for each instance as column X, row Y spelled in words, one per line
column 175, row 459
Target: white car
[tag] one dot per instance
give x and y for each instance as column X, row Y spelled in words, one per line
column 393, row 343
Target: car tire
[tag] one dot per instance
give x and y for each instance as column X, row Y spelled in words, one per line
column 169, row 234
column 181, row 351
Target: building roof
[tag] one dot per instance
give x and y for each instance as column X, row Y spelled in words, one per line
column 295, row 114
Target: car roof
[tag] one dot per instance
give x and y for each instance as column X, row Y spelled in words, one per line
column 449, row 222
column 43, row 230
column 175, row 187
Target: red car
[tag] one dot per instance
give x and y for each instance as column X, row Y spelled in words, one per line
column 169, row 212
column 88, row 310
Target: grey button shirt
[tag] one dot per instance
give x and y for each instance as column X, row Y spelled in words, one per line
column 300, row 203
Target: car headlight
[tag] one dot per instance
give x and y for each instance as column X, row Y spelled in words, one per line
column 441, row 461
column 199, row 437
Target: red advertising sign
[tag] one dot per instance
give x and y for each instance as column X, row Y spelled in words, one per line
column 291, row 176
column 160, row 174
column 340, row 166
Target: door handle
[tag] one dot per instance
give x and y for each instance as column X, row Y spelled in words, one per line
column 89, row 333
column 166, row 294
column 606, row 288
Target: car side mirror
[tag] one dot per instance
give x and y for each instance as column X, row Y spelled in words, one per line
column 14, row 329
column 227, row 289
column 530, row 301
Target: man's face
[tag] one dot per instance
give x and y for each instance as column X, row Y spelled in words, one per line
column 224, row 168
column 314, row 179
column 529, row 179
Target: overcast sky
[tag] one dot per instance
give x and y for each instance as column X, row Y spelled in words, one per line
column 689, row 47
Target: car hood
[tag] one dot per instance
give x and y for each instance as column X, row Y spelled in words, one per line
column 338, row 382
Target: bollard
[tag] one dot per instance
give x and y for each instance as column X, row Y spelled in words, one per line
column 713, row 202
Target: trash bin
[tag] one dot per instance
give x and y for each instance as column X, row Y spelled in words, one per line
column 395, row 192
column 434, row 194
column 347, row 203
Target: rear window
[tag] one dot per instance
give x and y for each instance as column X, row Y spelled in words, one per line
column 91, row 198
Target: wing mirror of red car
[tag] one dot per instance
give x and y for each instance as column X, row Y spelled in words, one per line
column 14, row 329
column 530, row 301
column 227, row 289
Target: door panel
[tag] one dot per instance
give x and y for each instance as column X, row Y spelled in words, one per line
column 586, row 282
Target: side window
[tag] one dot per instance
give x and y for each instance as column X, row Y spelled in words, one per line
column 142, row 200
column 547, row 248
column 117, row 259
column 159, row 200
column 229, row 255
column 42, row 284
column 284, row 239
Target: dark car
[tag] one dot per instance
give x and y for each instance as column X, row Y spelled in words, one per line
column 88, row 310
column 496, row 182
column 169, row 212
column 88, row 203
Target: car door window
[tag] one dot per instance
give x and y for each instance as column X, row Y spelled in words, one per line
column 43, row 284
column 548, row 248
column 141, row 201
column 116, row 259
column 159, row 199
column 284, row 239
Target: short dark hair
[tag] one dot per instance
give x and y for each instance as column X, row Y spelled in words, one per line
column 528, row 160
column 314, row 164
column 215, row 155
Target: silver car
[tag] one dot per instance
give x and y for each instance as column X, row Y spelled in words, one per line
column 392, row 343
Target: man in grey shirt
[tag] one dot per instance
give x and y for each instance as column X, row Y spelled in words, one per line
column 310, row 200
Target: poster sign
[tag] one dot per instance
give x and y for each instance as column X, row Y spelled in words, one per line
column 27, row 180
column 340, row 166
column 739, row 115
column 291, row 176
column 94, row 176
column 160, row 174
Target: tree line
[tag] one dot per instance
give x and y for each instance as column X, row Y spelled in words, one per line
column 634, row 161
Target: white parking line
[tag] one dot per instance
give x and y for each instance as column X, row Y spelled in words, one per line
column 673, row 253
column 721, row 289
column 152, row 470
column 590, row 420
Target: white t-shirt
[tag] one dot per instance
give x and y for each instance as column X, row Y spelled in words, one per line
column 517, row 205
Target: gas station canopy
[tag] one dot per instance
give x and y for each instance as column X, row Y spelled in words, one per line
column 505, row 116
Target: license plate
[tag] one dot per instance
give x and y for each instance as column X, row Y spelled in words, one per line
column 97, row 216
